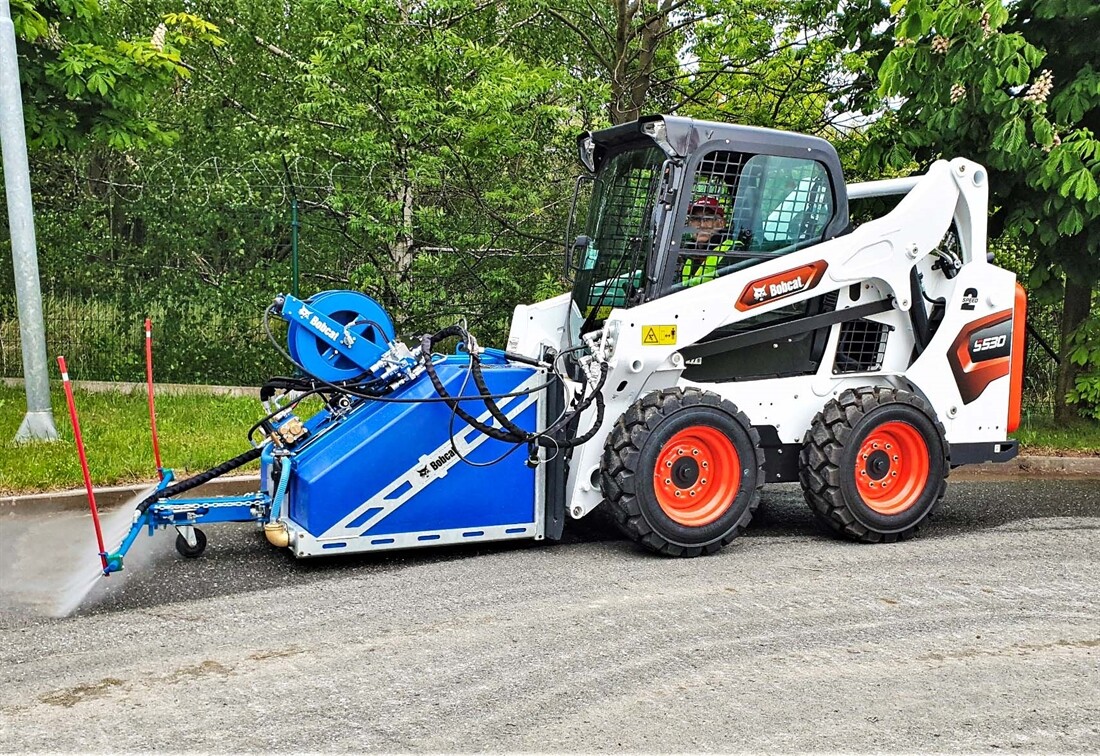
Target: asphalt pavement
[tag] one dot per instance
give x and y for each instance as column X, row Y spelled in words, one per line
column 981, row 635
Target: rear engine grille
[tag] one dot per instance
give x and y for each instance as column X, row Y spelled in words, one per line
column 861, row 347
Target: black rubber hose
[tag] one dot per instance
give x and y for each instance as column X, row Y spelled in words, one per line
column 490, row 403
column 596, row 423
column 426, row 344
column 566, row 419
column 198, row 480
column 284, row 383
column 917, row 314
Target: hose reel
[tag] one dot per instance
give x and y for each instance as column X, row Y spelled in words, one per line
column 336, row 335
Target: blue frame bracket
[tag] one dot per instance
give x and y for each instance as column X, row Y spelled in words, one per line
column 253, row 507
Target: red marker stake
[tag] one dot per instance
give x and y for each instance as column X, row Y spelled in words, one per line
column 83, row 458
column 149, row 383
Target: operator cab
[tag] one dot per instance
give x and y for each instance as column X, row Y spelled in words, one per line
column 762, row 193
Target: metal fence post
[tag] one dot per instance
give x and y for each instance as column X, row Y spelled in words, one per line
column 294, row 226
column 38, row 422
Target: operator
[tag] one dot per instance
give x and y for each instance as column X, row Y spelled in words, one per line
column 707, row 241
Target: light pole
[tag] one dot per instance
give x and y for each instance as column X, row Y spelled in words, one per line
column 38, row 422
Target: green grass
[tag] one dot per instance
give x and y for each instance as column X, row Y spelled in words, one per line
column 196, row 433
column 200, row 431
column 1042, row 436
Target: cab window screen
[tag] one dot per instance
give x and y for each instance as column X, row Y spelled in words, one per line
column 620, row 231
column 745, row 208
column 796, row 201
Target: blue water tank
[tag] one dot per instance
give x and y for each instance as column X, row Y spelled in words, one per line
column 396, row 467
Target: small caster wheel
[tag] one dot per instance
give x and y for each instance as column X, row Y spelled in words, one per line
column 189, row 551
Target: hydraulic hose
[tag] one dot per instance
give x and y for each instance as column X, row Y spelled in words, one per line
column 197, row 480
column 494, row 408
column 597, row 397
column 280, row 489
column 511, row 433
column 426, row 344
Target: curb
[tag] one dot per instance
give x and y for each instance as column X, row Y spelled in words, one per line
column 111, row 497
column 1082, row 468
column 1033, row 467
column 160, row 389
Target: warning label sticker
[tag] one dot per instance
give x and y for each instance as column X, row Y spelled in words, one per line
column 658, row 335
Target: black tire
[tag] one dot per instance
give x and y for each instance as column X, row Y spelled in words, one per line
column 631, row 456
column 833, row 456
column 191, row 552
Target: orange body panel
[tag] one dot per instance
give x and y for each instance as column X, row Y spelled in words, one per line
column 972, row 376
column 1016, row 378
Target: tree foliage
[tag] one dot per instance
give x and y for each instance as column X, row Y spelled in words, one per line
column 1017, row 88
column 87, row 84
column 430, row 143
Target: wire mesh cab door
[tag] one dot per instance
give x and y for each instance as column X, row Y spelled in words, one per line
column 741, row 206
column 624, row 225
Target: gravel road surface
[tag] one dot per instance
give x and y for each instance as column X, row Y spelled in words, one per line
column 982, row 635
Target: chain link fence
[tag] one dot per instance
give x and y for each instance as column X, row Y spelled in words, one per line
column 105, row 341
column 202, row 249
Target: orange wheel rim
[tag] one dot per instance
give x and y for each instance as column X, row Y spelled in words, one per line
column 697, row 476
column 892, row 468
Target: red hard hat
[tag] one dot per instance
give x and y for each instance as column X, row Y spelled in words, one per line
column 709, row 206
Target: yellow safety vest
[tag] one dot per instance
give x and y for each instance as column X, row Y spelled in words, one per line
column 709, row 267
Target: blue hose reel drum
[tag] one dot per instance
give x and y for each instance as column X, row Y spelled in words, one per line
column 354, row 311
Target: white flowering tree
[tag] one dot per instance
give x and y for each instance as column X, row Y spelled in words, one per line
column 86, row 84
column 1017, row 88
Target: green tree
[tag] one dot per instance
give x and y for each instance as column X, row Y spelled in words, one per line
column 461, row 140
column 84, row 82
column 1017, row 88
column 762, row 62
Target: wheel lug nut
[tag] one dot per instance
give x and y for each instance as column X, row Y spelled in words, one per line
column 668, row 481
column 695, row 452
column 895, row 457
column 668, row 464
column 703, row 482
column 706, row 465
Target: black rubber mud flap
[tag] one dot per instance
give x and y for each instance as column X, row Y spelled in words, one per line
column 556, row 470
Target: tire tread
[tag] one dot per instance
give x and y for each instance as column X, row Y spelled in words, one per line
column 623, row 450
column 820, row 460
